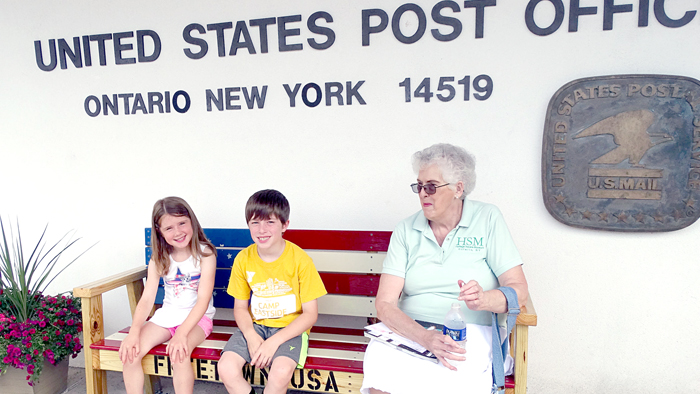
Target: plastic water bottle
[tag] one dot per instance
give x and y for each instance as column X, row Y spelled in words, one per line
column 455, row 325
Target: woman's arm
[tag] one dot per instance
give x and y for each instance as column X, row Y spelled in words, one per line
column 177, row 347
column 493, row 300
column 442, row 346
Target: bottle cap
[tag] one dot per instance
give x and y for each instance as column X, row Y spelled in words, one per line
column 455, row 305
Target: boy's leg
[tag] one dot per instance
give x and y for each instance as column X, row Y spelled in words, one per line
column 280, row 375
column 151, row 335
column 183, row 375
column 288, row 356
column 233, row 357
column 231, row 373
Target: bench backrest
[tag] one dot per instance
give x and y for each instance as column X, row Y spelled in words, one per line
column 349, row 262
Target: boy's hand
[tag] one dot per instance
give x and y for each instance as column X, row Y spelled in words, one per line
column 254, row 343
column 129, row 348
column 263, row 356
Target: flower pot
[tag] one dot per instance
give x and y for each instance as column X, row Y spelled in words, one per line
column 53, row 380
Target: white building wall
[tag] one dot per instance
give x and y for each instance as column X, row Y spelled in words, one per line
column 617, row 311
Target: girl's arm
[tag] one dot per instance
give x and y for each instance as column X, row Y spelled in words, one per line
column 177, row 347
column 309, row 315
column 130, row 345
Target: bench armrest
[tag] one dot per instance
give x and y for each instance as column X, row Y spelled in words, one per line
column 527, row 316
column 93, row 323
column 110, row 283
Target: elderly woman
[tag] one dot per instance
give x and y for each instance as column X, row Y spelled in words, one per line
column 452, row 250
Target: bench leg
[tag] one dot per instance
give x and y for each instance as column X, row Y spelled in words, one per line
column 152, row 384
column 93, row 331
column 521, row 332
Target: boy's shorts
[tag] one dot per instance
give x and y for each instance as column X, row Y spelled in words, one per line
column 205, row 323
column 295, row 348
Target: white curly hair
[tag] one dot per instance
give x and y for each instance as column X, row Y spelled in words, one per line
column 454, row 162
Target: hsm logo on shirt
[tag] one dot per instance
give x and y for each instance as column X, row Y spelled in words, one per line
column 470, row 244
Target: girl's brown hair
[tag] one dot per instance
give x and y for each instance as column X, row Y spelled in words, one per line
column 175, row 206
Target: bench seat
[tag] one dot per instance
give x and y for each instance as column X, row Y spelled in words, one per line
column 349, row 263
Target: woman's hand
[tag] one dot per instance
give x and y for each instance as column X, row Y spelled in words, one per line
column 177, row 348
column 443, row 347
column 129, row 349
column 472, row 294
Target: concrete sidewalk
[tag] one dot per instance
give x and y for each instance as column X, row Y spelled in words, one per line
column 115, row 384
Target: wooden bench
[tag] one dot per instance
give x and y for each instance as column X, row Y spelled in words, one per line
column 349, row 262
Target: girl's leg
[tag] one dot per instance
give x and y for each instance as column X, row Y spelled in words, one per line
column 151, row 335
column 280, row 375
column 231, row 373
column 183, row 375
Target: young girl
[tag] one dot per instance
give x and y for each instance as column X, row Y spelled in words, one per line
column 186, row 261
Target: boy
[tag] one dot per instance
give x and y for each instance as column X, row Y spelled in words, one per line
column 273, row 330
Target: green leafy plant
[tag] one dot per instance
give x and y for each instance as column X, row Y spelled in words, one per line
column 35, row 327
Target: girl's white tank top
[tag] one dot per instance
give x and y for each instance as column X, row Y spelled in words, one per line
column 181, row 285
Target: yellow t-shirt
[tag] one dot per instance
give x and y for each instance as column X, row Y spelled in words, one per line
column 278, row 288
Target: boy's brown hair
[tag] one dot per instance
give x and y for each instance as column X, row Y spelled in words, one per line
column 266, row 203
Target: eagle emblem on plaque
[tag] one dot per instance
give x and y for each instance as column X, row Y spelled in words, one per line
column 622, row 153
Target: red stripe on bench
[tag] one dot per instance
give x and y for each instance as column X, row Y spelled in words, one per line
column 340, row 331
column 350, row 284
column 353, row 347
column 332, row 364
column 200, row 353
column 213, row 354
column 368, row 241
column 219, row 336
column 225, row 323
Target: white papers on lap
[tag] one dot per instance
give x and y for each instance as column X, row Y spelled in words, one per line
column 392, row 371
column 382, row 333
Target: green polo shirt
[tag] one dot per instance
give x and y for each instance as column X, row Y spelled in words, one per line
column 479, row 248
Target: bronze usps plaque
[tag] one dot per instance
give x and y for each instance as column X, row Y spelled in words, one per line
column 622, row 153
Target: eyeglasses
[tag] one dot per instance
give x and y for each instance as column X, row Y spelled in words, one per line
column 428, row 187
